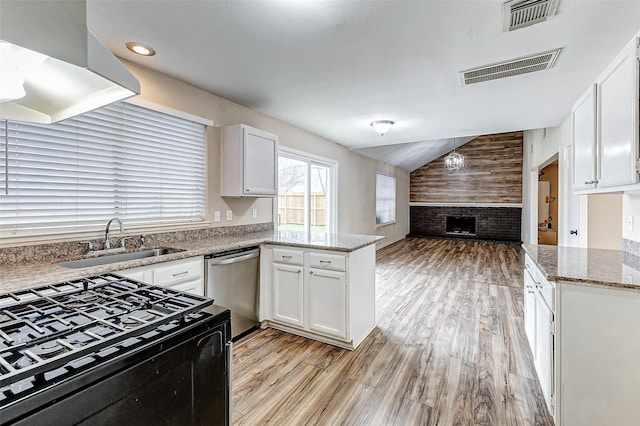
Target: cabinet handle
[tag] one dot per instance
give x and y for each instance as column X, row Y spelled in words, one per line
column 180, row 274
column 325, row 262
column 286, row 257
column 310, row 272
column 590, row 182
column 530, row 291
column 299, row 271
column 529, row 286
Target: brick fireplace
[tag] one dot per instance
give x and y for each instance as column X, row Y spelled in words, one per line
column 484, row 223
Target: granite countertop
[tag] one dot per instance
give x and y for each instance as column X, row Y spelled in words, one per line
column 612, row 268
column 14, row 276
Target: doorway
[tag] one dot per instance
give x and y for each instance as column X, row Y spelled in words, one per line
column 548, row 204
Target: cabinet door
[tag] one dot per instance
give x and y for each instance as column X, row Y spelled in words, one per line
column 584, row 140
column 327, row 307
column 530, row 310
column 545, row 348
column 617, row 96
column 260, row 162
column 288, row 294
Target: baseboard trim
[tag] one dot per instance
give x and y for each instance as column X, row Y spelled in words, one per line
column 388, row 241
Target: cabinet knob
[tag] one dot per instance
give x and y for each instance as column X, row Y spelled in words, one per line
column 573, row 232
column 310, row 272
column 299, row 271
column 530, row 291
column 590, row 182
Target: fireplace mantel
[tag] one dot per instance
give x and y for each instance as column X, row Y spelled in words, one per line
column 512, row 205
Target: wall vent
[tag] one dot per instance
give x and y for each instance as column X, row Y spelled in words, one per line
column 518, row 66
column 518, row 14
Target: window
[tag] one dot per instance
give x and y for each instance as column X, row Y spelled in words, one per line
column 123, row 160
column 306, row 193
column 385, row 199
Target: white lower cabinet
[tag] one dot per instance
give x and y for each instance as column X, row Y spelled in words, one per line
column 182, row 275
column 530, row 310
column 288, row 295
column 544, row 349
column 327, row 302
column 320, row 294
column 539, row 322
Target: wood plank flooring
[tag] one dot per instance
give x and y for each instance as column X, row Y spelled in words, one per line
column 449, row 349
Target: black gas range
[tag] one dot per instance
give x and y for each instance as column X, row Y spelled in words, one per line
column 112, row 350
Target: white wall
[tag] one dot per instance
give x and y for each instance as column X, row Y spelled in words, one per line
column 356, row 180
column 605, row 221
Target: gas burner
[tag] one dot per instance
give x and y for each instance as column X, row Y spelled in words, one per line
column 48, row 349
column 136, row 318
column 83, row 299
column 137, row 300
column 43, row 350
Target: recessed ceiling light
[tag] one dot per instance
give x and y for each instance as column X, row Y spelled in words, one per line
column 140, row 49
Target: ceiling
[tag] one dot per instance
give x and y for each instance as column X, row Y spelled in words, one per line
column 332, row 67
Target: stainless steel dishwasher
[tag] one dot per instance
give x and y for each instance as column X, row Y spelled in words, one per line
column 232, row 281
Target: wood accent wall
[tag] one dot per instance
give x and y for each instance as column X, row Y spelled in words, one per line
column 492, row 173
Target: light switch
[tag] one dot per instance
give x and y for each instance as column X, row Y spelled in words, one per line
column 229, row 215
column 254, row 213
column 216, row 216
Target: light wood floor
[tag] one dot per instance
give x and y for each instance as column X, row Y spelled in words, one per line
column 449, row 349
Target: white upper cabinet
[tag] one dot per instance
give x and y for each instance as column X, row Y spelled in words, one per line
column 584, row 140
column 606, row 127
column 248, row 162
column 617, row 117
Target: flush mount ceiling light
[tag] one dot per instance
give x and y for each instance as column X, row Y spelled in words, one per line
column 454, row 161
column 382, row 126
column 140, row 49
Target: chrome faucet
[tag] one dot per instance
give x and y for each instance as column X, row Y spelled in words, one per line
column 107, row 243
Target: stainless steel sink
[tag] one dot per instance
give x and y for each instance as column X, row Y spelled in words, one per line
column 117, row 257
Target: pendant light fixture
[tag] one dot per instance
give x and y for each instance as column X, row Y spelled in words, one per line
column 454, row 161
column 382, row 126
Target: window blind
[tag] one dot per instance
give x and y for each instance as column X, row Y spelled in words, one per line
column 385, row 199
column 123, row 160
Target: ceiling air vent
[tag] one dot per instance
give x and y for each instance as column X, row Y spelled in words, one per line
column 523, row 65
column 518, row 14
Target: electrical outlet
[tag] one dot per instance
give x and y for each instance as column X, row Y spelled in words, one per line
column 216, row 216
column 229, row 215
column 254, row 213
column 629, row 223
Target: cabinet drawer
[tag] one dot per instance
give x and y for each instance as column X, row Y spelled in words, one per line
column 327, row 261
column 293, row 257
column 194, row 287
column 547, row 290
column 183, row 271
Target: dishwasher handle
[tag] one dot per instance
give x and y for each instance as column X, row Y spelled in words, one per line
column 234, row 259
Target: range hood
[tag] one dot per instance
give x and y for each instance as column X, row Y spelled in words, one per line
column 51, row 66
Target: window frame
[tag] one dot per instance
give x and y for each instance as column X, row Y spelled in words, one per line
column 394, row 199
column 312, row 159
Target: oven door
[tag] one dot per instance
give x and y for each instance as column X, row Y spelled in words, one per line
column 180, row 383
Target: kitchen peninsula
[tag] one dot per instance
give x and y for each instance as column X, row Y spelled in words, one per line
column 582, row 310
